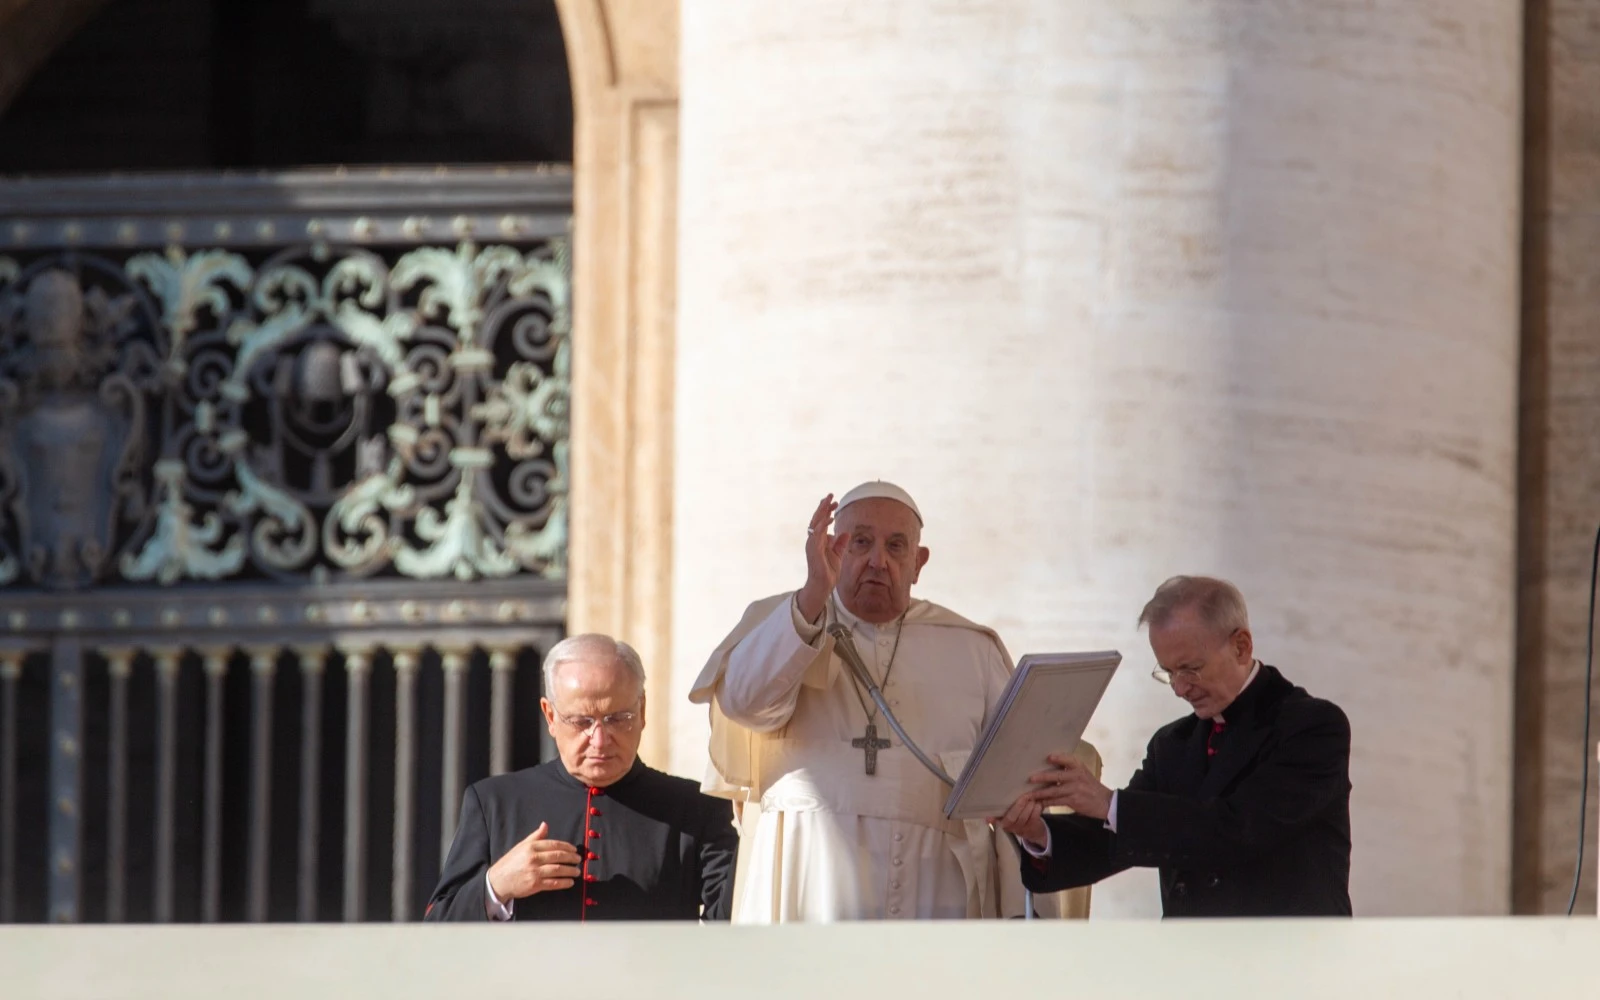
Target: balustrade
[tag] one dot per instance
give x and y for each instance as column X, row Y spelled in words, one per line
column 170, row 663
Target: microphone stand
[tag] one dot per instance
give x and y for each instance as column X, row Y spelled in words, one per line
column 844, row 642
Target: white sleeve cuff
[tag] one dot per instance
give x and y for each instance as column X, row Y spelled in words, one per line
column 496, row 910
column 1043, row 850
column 1037, row 850
column 805, row 630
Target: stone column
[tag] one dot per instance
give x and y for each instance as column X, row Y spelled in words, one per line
column 1120, row 291
column 1560, row 448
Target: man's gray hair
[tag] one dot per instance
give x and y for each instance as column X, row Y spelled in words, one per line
column 1218, row 603
column 591, row 646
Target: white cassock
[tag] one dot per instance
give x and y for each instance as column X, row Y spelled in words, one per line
column 821, row 839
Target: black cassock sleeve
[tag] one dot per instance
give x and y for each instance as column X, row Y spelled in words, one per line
column 1082, row 850
column 462, row 893
column 719, row 847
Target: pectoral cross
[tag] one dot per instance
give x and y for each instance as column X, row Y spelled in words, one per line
column 870, row 745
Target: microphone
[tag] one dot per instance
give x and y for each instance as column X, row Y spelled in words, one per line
column 844, row 642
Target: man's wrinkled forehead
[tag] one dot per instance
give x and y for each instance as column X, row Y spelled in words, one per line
column 879, row 516
column 601, row 676
column 1184, row 634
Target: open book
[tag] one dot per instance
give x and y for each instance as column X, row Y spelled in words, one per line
column 1042, row 711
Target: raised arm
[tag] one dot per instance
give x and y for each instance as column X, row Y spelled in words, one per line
column 762, row 681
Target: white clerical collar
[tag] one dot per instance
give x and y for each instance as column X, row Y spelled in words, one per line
column 1255, row 668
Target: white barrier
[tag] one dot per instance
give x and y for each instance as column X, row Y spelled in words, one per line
column 1307, row 960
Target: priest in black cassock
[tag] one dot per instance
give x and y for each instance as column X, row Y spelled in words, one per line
column 595, row 835
column 1243, row 806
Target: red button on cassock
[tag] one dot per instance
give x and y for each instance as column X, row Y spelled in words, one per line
column 593, row 856
column 589, row 878
column 588, row 902
column 597, row 791
column 594, row 833
column 593, row 811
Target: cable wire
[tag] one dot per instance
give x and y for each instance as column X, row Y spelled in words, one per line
column 1588, row 684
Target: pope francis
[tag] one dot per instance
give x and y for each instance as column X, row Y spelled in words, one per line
column 839, row 820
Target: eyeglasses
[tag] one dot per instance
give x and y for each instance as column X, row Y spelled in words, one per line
column 1166, row 676
column 616, row 722
column 1189, row 674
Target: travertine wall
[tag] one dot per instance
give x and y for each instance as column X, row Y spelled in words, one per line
column 624, row 60
column 1124, row 290
column 1560, row 507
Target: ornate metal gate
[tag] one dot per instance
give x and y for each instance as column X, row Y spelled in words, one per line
column 283, row 463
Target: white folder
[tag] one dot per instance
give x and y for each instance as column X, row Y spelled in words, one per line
column 1043, row 710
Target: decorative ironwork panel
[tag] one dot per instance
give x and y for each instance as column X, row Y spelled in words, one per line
column 317, row 411
column 318, row 417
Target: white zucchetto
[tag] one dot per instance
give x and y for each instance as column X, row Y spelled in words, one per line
column 877, row 489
